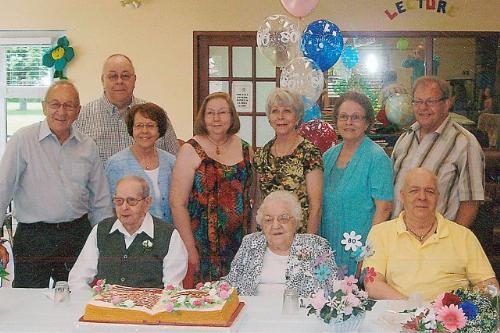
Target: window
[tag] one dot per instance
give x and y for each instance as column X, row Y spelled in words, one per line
column 23, row 79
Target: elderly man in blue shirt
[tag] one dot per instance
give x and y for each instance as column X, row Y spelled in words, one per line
column 55, row 176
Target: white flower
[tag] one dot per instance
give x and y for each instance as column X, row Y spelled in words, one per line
column 351, row 241
column 181, row 299
column 212, row 292
column 367, row 250
column 147, row 244
column 128, row 303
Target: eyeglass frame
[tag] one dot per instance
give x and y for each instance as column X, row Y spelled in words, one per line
column 219, row 113
column 351, row 117
column 130, row 201
column 142, row 126
column 113, row 77
column 428, row 102
column 55, row 105
column 282, row 219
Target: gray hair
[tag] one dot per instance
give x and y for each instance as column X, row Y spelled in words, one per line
column 140, row 180
column 430, row 80
column 280, row 96
column 288, row 198
column 63, row 83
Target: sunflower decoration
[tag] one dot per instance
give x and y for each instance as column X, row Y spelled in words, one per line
column 59, row 56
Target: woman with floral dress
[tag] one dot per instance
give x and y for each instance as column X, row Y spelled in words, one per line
column 290, row 162
column 210, row 192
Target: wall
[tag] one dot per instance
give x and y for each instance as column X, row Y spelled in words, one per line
column 158, row 35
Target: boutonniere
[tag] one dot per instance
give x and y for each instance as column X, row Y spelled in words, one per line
column 147, row 245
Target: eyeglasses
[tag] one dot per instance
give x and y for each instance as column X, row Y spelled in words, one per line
column 149, row 126
column 428, row 102
column 354, row 117
column 130, row 201
column 219, row 113
column 55, row 105
column 124, row 76
column 282, row 219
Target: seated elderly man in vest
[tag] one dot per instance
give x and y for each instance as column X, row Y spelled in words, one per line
column 135, row 249
column 422, row 252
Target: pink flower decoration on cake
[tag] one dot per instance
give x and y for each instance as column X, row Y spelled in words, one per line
column 169, row 307
column 452, row 317
column 224, row 286
column 197, row 302
column 208, row 300
column 170, row 287
column 199, row 285
column 224, row 294
column 98, row 289
column 116, row 300
column 99, row 283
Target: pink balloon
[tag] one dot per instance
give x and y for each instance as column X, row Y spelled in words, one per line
column 299, row 8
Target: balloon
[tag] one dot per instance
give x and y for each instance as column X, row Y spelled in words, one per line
column 350, row 57
column 312, row 113
column 299, row 8
column 320, row 133
column 402, row 44
column 278, row 40
column 398, row 109
column 304, row 77
column 322, row 42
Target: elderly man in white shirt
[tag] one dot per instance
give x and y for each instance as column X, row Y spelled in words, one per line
column 136, row 249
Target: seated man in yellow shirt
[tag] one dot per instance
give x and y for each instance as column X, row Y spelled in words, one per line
column 422, row 252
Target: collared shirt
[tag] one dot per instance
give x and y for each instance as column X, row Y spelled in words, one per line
column 174, row 263
column 51, row 182
column 452, row 153
column 449, row 259
column 101, row 120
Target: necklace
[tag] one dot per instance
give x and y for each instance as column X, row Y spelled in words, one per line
column 288, row 151
column 218, row 145
column 147, row 163
column 420, row 237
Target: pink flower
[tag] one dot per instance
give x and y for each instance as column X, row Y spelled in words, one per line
column 98, row 289
column 348, row 310
column 348, row 284
column 318, row 301
column 99, row 283
column 224, row 294
column 199, row 285
column 352, row 300
column 169, row 307
column 208, row 300
column 170, row 287
column 197, row 302
column 370, row 275
column 452, row 317
column 116, row 300
column 224, row 286
column 438, row 302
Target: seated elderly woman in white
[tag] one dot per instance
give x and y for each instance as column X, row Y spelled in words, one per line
column 278, row 257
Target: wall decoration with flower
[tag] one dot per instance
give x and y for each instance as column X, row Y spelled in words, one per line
column 58, row 57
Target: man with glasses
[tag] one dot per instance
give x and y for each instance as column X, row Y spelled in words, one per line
column 103, row 118
column 133, row 249
column 439, row 144
column 55, row 176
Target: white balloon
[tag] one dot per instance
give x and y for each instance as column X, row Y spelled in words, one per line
column 304, row 77
column 278, row 40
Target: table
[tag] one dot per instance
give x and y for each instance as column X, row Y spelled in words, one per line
column 31, row 310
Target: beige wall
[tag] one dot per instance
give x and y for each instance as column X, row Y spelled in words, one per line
column 158, row 36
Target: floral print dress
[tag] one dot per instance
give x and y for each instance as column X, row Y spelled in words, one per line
column 288, row 172
column 219, row 207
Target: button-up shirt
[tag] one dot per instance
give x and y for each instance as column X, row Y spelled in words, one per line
column 174, row 263
column 452, row 153
column 53, row 182
column 102, row 121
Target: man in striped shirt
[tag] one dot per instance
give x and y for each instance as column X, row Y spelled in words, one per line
column 437, row 143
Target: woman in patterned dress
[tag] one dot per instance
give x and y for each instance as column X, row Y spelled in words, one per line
column 290, row 162
column 210, row 192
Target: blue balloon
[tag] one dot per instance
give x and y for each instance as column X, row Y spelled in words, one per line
column 350, row 57
column 312, row 113
column 322, row 42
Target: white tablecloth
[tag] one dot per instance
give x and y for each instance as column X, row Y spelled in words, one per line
column 31, row 310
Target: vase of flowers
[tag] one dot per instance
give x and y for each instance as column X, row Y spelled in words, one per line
column 344, row 308
column 459, row 311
